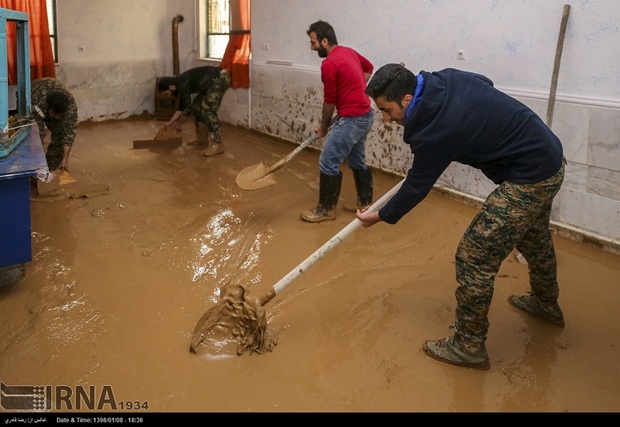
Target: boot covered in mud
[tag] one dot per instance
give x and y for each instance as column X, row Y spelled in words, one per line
column 202, row 135
column 329, row 191
column 364, row 188
column 454, row 351
column 216, row 146
column 549, row 311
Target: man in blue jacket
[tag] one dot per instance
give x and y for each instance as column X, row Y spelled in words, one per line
column 458, row 116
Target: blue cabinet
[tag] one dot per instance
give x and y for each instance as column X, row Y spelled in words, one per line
column 21, row 153
column 26, row 161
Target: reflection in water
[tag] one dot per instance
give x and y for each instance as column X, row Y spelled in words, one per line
column 225, row 251
column 216, row 234
column 530, row 376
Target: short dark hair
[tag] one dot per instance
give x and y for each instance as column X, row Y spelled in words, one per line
column 393, row 82
column 58, row 102
column 166, row 82
column 323, row 31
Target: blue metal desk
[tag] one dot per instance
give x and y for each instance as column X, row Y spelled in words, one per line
column 27, row 160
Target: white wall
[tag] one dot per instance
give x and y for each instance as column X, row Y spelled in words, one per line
column 513, row 42
column 127, row 45
column 119, row 30
column 111, row 52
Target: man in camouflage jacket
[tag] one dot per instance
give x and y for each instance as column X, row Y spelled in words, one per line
column 55, row 109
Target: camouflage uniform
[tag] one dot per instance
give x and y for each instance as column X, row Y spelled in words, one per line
column 208, row 84
column 207, row 101
column 512, row 216
column 63, row 131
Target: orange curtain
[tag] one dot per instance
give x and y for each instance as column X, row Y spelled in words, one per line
column 41, row 54
column 237, row 55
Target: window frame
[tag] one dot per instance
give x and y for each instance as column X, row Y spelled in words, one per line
column 53, row 27
column 203, row 34
column 209, row 36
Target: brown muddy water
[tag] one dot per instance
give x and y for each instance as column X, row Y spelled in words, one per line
column 129, row 257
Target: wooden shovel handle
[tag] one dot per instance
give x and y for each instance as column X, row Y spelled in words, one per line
column 296, row 151
column 556, row 64
column 292, row 154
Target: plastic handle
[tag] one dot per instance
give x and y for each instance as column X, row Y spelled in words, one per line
column 330, row 244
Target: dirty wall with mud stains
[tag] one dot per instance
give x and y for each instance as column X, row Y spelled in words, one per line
column 513, row 44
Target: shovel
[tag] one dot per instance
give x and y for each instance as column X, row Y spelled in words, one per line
column 242, row 316
column 167, row 137
column 260, row 175
column 59, row 177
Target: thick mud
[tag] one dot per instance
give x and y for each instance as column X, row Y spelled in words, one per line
column 127, row 259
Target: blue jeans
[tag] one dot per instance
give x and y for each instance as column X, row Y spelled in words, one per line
column 346, row 141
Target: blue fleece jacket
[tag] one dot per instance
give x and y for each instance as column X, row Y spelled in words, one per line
column 460, row 117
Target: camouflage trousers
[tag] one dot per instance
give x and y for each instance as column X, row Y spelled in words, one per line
column 61, row 131
column 512, row 216
column 53, row 155
column 207, row 102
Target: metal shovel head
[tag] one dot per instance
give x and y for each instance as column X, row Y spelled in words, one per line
column 167, row 137
column 168, row 133
column 259, row 175
column 255, row 177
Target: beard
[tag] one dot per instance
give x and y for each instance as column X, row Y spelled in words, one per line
column 322, row 52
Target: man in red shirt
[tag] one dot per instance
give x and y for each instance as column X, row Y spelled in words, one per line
column 344, row 74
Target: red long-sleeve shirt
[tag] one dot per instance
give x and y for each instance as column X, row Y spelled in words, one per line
column 344, row 83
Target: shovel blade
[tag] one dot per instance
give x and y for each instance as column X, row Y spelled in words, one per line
column 60, row 177
column 167, row 137
column 168, row 133
column 255, row 177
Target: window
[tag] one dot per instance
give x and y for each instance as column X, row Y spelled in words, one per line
column 218, row 27
column 223, row 19
column 51, row 17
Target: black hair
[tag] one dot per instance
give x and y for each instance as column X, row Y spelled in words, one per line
column 165, row 83
column 393, row 82
column 323, row 31
column 58, row 102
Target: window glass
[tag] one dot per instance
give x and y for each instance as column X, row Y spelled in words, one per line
column 218, row 27
column 51, row 17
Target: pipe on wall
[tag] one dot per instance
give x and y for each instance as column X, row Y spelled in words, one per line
column 175, row 43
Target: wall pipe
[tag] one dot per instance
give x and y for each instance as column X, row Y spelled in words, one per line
column 175, row 43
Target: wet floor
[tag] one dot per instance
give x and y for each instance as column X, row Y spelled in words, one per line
column 129, row 257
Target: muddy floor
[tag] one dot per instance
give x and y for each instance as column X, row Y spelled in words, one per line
column 128, row 258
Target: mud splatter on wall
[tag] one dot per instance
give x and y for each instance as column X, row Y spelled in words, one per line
column 513, row 43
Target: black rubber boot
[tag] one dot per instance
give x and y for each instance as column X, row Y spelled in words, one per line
column 364, row 188
column 329, row 191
